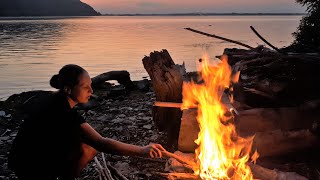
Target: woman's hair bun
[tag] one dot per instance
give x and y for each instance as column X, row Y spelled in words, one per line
column 55, row 82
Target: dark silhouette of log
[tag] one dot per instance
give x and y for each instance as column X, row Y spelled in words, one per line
column 264, row 40
column 219, row 37
column 167, row 81
column 123, row 77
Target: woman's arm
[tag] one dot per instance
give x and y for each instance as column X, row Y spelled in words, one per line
column 94, row 139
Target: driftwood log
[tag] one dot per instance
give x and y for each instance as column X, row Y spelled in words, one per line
column 167, row 78
column 123, row 77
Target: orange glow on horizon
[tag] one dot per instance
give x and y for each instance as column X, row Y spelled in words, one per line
column 189, row 6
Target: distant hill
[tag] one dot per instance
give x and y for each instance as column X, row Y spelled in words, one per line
column 45, row 8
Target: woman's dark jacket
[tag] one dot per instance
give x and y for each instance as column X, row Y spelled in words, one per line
column 49, row 139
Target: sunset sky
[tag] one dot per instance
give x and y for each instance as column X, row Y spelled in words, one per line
column 186, row 6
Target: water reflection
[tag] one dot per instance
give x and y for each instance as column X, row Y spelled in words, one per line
column 29, row 38
column 33, row 49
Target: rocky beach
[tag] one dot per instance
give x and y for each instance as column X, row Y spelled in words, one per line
column 123, row 116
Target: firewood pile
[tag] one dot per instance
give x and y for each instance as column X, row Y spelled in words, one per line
column 270, row 79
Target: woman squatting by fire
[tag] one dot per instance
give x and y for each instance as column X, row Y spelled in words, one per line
column 54, row 141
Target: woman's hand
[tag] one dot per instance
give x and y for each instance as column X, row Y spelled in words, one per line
column 153, row 150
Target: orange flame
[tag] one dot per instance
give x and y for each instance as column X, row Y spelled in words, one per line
column 221, row 154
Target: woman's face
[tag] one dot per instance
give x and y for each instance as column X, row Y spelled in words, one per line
column 82, row 91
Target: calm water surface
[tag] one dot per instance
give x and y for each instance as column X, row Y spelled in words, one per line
column 33, row 49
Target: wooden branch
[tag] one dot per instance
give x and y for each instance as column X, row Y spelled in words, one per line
column 187, row 163
column 100, row 175
column 104, row 160
column 105, row 173
column 219, row 37
column 116, row 173
column 264, row 40
column 177, row 176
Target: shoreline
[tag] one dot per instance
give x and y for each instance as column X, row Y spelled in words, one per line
column 211, row 14
column 165, row 15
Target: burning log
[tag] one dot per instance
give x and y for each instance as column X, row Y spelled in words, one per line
column 275, row 133
column 178, row 176
column 166, row 79
column 259, row 172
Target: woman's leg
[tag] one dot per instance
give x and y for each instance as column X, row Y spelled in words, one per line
column 87, row 153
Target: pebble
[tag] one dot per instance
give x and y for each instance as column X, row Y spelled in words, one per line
column 132, row 118
column 154, row 137
column 103, row 117
column 150, row 94
column 122, row 116
column 117, row 120
column 148, row 126
column 123, row 167
column 4, row 138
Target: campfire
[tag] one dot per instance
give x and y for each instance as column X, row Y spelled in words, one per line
column 221, row 153
column 216, row 138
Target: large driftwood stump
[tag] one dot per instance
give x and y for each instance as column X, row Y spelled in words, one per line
column 167, row 81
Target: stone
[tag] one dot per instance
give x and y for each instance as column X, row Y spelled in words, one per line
column 149, row 126
column 4, row 138
column 147, row 118
column 150, row 94
column 117, row 120
column 123, row 167
column 2, row 113
column 122, row 116
column 154, row 137
column 132, row 118
column 103, row 117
